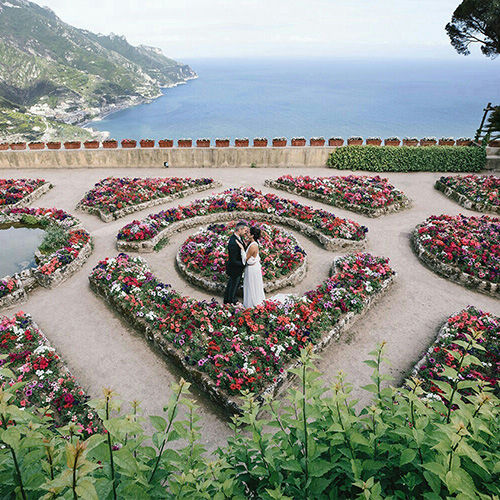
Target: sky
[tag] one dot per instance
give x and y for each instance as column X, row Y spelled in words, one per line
column 190, row 29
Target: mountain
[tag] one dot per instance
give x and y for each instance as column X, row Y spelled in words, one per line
column 51, row 69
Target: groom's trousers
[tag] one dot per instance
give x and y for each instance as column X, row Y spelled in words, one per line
column 231, row 289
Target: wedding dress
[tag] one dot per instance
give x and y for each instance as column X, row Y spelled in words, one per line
column 253, row 284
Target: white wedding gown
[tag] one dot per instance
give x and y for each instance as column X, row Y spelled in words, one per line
column 253, row 284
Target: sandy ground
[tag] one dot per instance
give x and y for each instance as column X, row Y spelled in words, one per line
column 102, row 351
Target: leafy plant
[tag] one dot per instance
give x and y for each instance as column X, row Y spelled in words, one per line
column 55, row 238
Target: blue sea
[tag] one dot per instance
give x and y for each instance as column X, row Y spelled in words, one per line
column 273, row 98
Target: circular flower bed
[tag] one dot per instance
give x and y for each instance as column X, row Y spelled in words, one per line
column 202, row 257
column 476, row 192
column 246, row 203
column 68, row 246
column 18, row 192
column 371, row 196
column 463, row 249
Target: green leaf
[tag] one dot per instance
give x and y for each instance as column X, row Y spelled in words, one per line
column 318, row 468
column 433, row 481
column 159, row 423
column 85, row 489
column 407, row 456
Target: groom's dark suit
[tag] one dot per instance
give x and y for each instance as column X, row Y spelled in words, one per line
column 234, row 269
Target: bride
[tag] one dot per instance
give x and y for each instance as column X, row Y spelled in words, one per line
column 253, row 285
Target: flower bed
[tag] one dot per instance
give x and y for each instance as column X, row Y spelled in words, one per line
column 20, row 192
column 476, row 192
column 45, row 380
column 450, row 343
column 202, row 257
column 246, row 203
column 228, row 350
column 371, row 196
column 463, row 249
column 115, row 197
column 54, row 267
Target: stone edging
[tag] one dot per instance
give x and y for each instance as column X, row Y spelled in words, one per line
column 451, row 272
column 368, row 212
column 18, row 296
column 291, row 279
column 145, row 246
column 232, row 403
column 146, row 204
column 34, row 195
column 463, row 200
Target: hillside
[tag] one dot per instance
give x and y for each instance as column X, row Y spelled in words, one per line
column 57, row 71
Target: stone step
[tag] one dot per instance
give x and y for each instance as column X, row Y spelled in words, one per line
column 493, row 163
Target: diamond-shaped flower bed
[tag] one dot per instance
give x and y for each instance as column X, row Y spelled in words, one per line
column 244, row 203
column 115, row 197
column 463, row 249
column 202, row 257
column 476, row 192
column 370, row 196
column 228, row 350
column 45, row 379
column 21, row 192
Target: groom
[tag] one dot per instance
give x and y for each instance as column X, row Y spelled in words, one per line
column 234, row 264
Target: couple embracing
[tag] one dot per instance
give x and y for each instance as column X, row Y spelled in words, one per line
column 243, row 251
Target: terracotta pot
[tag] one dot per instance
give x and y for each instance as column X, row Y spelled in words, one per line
column 146, row 143
column 221, row 143
column 17, row 146
column 279, row 143
column 4, row 146
column 335, row 142
column 392, row 142
column 446, row 143
column 166, row 143
column 241, row 143
column 296, row 141
column 53, row 145
column 354, row 142
column 91, row 144
column 260, row 143
column 464, row 143
column 129, row 143
column 317, row 142
column 185, row 143
column 72, row 145
column 203, row 143
column 109, row 144
column 373, row 142
column 410, row 142
column 36, row 145
column 427, row 143
column 494, row 143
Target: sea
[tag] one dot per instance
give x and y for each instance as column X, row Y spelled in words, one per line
column 317, row 97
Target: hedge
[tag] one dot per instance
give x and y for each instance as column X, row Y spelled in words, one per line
column 409, row 159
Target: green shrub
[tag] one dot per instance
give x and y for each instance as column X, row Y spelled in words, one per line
column 402, row 445
column 409, row 159
column 55, row 238
column 30, row 220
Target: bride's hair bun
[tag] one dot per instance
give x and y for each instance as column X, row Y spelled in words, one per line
column 255, row 232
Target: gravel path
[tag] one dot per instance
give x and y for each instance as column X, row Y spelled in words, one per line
column 102, row 351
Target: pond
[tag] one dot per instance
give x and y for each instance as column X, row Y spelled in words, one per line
column 17, row 248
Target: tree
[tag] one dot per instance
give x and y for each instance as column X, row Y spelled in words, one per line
column 476, row 21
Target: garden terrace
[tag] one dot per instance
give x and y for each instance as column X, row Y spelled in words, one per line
column 21, row 192
column 115, row 197
column 225, row 350
column 370, row 196
column 331, row 231
column 476, row 192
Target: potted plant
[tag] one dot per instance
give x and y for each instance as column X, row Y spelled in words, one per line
column 260, row 142
column 110, row 144
column 446, row 141
column 410, row 141
column 36, row 145
column 147, row 143
column 91, row 144
column 203, row 143
column 464, row 141
column 373, row 141
column 129, row 143
column 428, row 141
column 298, row 141
column 222, row 143
column 335, row 141
column 4, row 146
column 354, row 141
column 17, row 146
column 242, row 142
column 495, row 143
column 279, row 142
column 166, row 143
column 72, row 145
column 184, row 143
column 53, row 145
column 392, row 141
column 317, row 141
